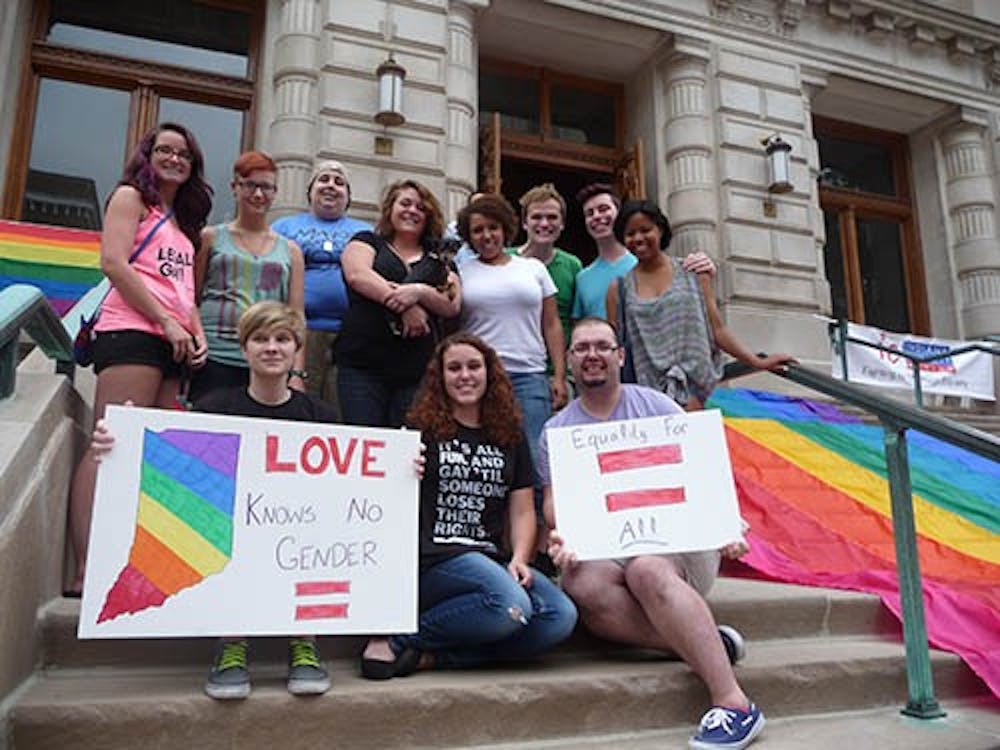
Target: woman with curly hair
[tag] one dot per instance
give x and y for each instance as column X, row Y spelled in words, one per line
column 379, row 368
column 148, row 327
column 479, row 600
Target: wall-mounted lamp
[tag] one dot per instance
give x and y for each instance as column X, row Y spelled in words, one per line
column 779, row 171
column 390, row 93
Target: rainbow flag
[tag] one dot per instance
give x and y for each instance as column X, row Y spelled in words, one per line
column 184, row 522
column 63, row 263
column 812, row 482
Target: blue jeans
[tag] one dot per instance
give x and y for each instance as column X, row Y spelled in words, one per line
column 472, row 611
column 535, row 399
column 369, row 400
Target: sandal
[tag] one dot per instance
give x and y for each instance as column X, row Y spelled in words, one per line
column 404, row 664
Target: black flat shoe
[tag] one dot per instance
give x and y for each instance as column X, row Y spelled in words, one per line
column 404, row 664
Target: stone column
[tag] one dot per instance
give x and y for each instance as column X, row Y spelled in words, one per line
column 294, row 136
column 462, row 87
column 810, row 89
column 971, row 206
column 691, row 198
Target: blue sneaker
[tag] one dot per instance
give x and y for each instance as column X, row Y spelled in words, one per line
column 728, row 728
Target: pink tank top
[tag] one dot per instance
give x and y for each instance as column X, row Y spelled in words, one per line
column 166, row 266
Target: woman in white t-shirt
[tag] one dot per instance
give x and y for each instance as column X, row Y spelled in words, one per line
column 510, row 302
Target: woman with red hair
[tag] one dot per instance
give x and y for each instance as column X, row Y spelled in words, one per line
column 240, row 263
column 479, row 599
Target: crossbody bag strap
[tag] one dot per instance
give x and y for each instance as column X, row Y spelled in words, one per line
column 142, row 245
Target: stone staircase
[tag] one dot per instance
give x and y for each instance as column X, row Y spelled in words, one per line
column 811, row 651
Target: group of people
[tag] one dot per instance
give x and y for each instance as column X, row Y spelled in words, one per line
column 322, row 317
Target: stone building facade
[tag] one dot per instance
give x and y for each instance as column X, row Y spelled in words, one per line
column 904, row 93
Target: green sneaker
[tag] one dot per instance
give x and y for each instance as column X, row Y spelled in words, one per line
column 229, row 678
column 306, row 675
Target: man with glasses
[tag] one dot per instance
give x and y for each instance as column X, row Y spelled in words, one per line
column 322, row 233
column 651, row 601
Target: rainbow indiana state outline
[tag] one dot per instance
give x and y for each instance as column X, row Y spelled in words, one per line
column 184, row 521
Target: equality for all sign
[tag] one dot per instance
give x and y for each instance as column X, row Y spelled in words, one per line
column 968, row 374
column 644, row 486
column 214, row 525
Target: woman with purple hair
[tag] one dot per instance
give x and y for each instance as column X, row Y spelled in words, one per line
column 148, row 327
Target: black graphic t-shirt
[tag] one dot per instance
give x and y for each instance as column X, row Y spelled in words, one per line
column 463, row 495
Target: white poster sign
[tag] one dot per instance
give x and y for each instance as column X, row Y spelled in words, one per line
column 214, row 525
column 644, row 486
column 969, row 374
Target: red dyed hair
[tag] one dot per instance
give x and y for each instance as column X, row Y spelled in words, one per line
column 253, row 161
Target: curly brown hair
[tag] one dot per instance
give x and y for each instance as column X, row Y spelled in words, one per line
column 500, row 415
column 434, row 226
column 492, row 206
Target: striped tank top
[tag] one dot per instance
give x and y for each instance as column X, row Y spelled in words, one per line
column 234, row 280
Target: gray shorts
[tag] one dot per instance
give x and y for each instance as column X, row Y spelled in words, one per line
column 699, row 569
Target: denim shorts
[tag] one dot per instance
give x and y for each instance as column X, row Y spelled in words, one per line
column 134, row 348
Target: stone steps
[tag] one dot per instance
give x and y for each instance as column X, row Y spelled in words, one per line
column 810, row 651
column 758, row 609
column 565, row 695
column 969, row 725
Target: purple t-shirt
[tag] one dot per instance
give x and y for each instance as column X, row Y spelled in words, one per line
column 635, row 402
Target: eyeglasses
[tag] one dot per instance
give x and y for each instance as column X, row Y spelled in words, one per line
column 168, row 151
column 582, row 348
column 250, row 187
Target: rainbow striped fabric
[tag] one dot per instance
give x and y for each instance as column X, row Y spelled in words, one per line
column 63, row 263
column 812, row 482
column 184, row 522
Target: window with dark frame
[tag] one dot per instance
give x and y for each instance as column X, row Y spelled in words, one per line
column 101, row 74
column 872, row 256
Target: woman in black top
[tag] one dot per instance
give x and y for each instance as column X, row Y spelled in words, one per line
column 479, row 600
column 379, row 369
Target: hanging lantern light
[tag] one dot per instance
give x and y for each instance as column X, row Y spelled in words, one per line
column 779, row 171
column 390, row 93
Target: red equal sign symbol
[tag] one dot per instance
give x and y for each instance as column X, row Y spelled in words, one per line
column 610, row 462
column 321, row 611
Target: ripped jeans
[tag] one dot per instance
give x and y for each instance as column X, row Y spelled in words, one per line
column 472, row 611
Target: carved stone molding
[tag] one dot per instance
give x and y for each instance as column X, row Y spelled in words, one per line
column 779, row 17
column 963, row 38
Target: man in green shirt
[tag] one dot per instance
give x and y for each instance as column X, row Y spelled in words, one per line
column 543, row 216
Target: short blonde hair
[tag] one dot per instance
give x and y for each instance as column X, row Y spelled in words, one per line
column 540, row 194
column 270, row 315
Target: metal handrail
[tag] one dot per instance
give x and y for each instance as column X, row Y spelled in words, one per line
column 896, row 418
column 24, row 307
column 841, row 338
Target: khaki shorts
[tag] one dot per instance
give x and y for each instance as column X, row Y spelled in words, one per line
column 699, row 569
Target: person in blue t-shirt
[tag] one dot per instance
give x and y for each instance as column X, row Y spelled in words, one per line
column 322, row 233
column 600, row 206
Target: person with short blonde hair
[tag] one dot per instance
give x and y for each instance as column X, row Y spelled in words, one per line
column 268, row 316
column 270, row 335
column 543, row 217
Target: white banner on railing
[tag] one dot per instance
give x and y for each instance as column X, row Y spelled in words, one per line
column 969, row 374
